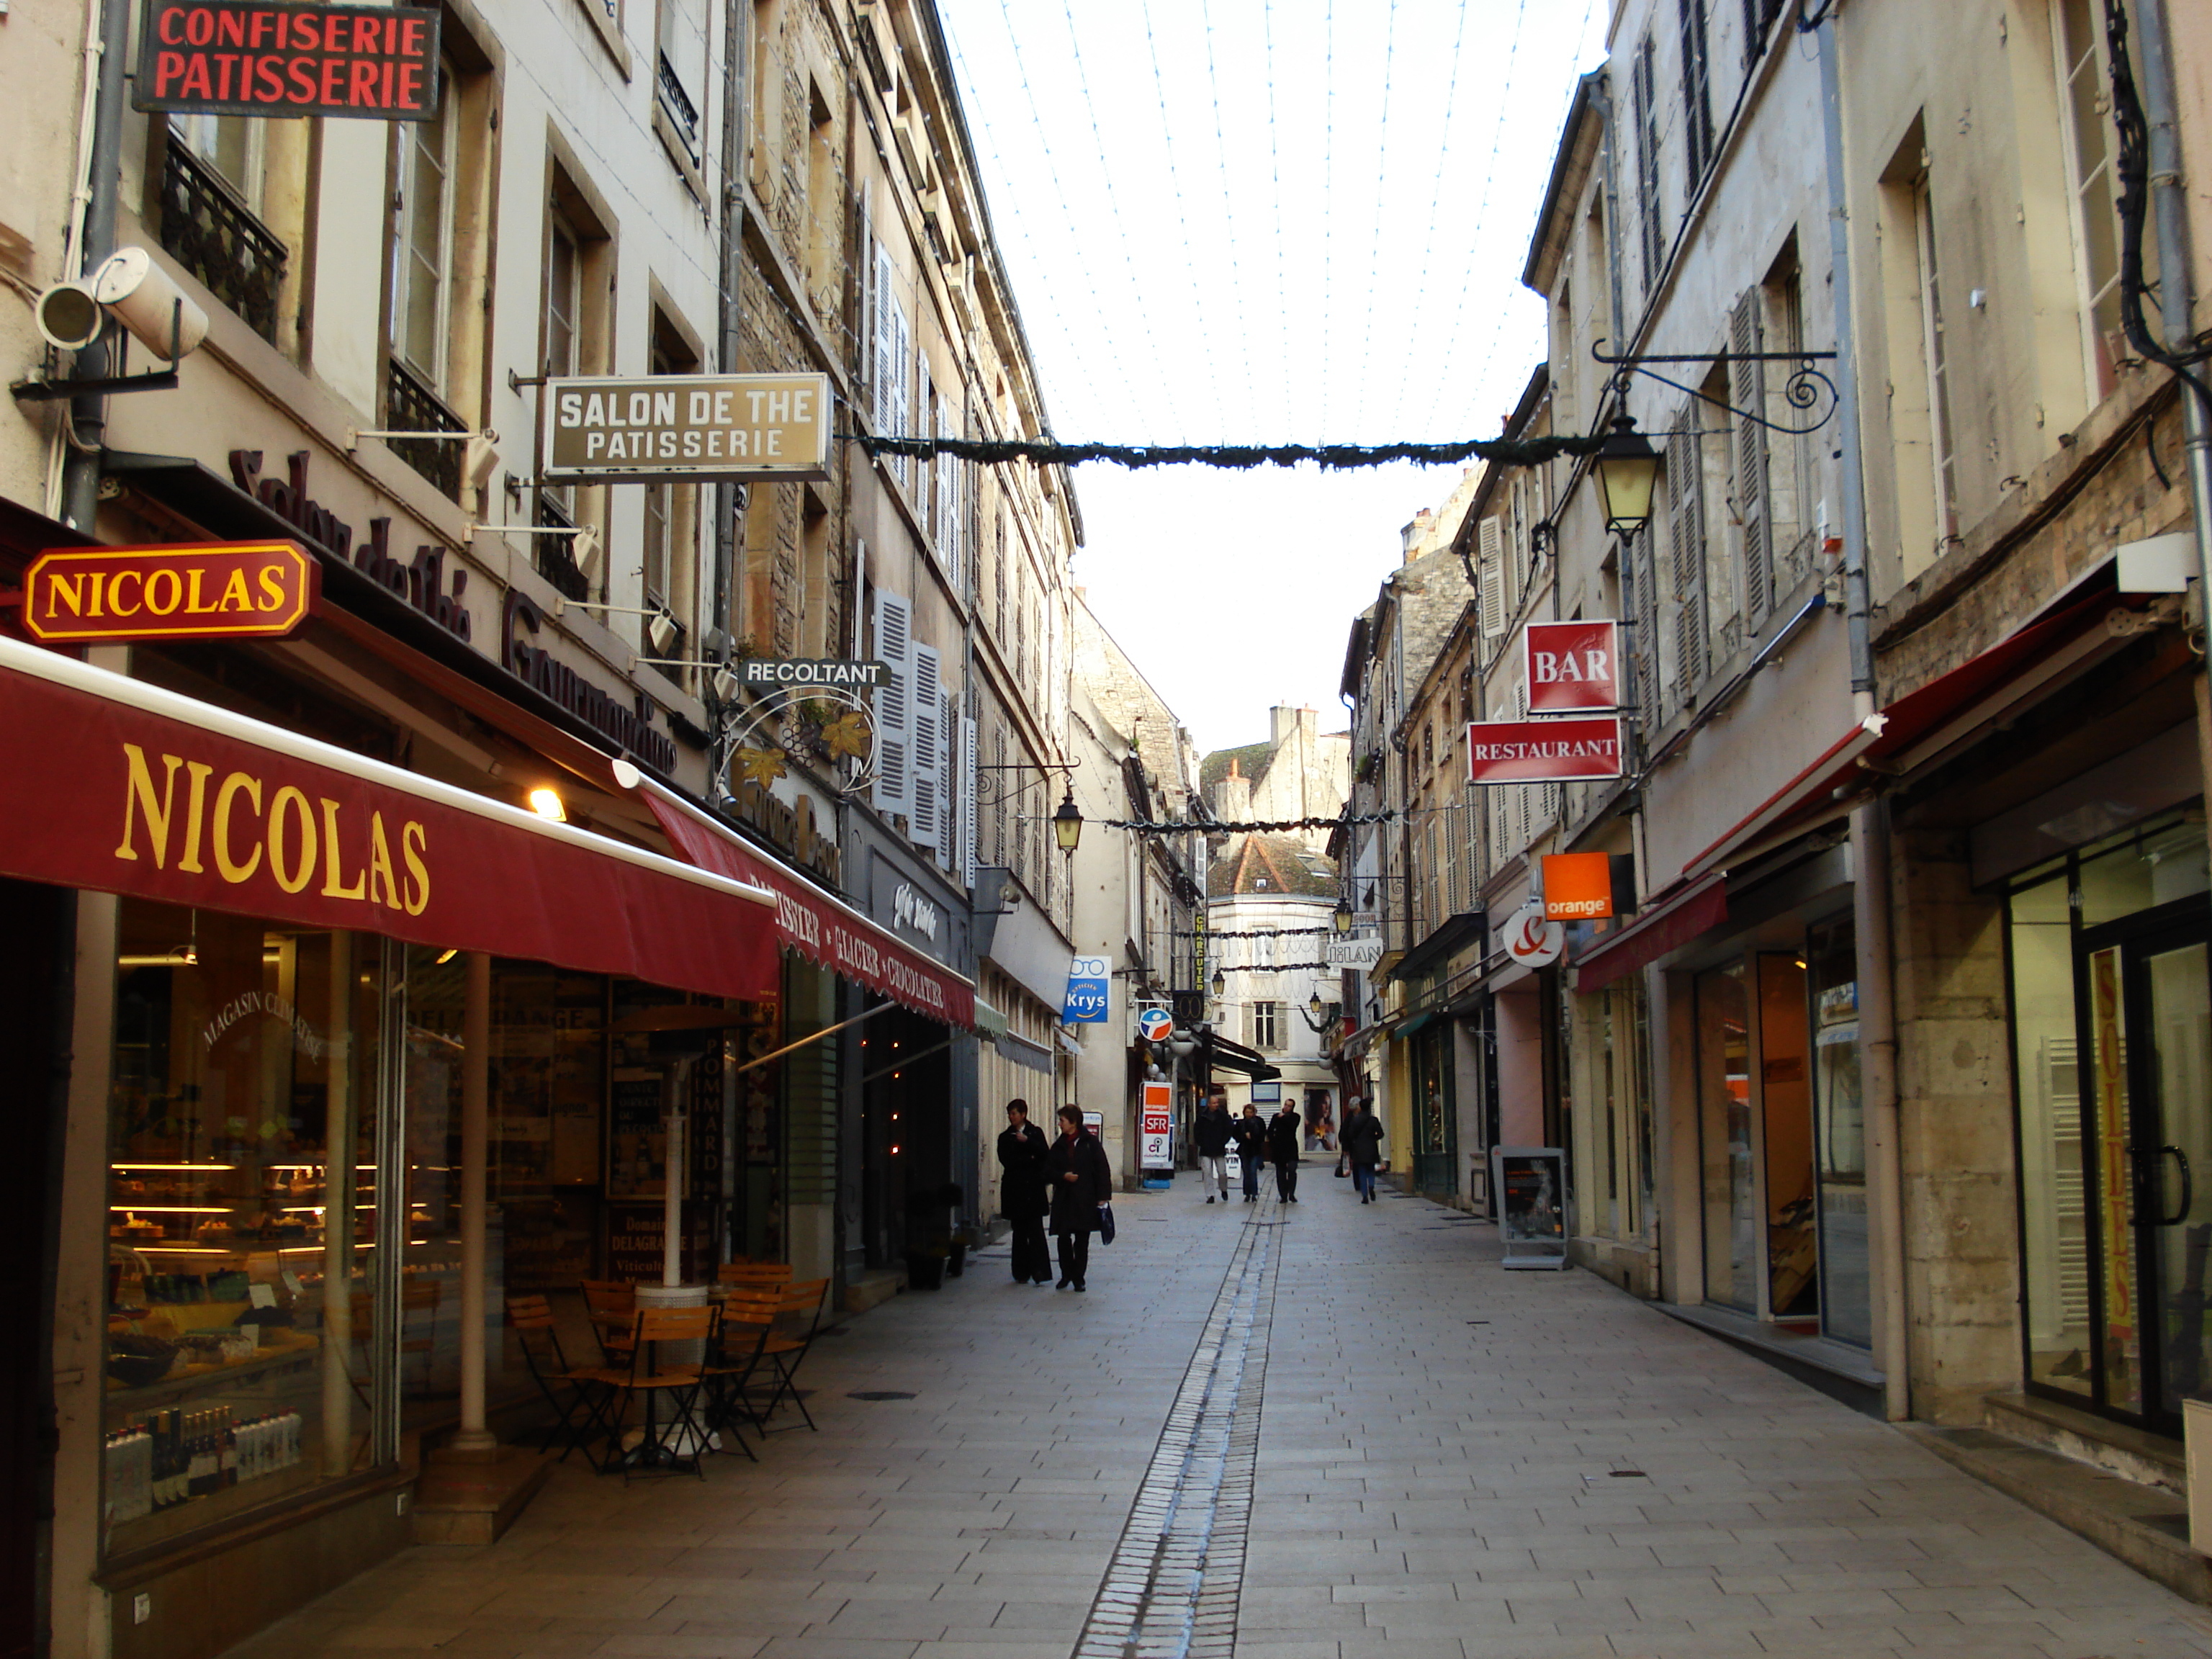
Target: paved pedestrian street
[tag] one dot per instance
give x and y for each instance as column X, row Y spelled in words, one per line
column 1322, row 1431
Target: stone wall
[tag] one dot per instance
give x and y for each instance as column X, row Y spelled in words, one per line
column 1955, row 1123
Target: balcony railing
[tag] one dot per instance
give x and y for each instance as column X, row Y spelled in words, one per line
column 677, row 104
column 556, row 562
column 411, row 406
column 216, row 236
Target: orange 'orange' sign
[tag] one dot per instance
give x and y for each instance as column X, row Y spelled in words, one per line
column 183, row 590
column 1578, row 886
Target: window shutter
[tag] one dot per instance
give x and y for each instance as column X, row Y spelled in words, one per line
column 1642, row 561
column 1686, row 528
column 1643, row 86
column 894, row 790
column 883, row 343
column 966, row 802
column 1747, row 391
column 923, row 821
column 1490, row 581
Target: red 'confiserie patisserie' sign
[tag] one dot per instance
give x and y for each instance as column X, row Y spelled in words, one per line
column 276, row 58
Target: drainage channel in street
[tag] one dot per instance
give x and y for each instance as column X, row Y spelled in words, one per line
column 1171, row 1591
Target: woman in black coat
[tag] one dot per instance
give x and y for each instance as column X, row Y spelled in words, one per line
column 1024, row 1193
column 1082, row 1180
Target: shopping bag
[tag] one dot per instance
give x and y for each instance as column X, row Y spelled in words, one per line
column 1105, row 1223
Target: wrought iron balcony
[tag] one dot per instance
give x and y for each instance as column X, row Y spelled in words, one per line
column 215, row 235
column 411, row 406
column 556, row 562
column 676, row 104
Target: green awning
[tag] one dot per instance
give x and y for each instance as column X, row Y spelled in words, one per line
column 989, row 1022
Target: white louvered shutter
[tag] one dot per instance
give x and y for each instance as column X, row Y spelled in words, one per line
column 948, row 839
column 1747, row 391
column 1489, row 592
column 894, row 788
column 924, row 822
column 883, row 343
column 966, row 802
column 1686, row 517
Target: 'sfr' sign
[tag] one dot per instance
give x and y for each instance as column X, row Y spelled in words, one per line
column 277, row 58
column 191, row 591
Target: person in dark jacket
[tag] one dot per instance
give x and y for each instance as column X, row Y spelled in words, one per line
column 1362, row 1140
column 1025, row 1191
column 1082, row 1180
column 1250, row 1135
column 1215, row 1131
column 1283, row 1151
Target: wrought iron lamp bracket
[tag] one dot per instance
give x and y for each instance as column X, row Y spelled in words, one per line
column 1806, row 389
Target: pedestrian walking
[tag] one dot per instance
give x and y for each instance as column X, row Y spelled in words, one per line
column 1082, row 1180
column 1362, row 1140
column 1283, row 1148
column 1215, row 1131
column 1251, row 1138
column 1025, row 1191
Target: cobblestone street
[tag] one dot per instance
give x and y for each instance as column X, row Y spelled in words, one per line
column 1451, row 1462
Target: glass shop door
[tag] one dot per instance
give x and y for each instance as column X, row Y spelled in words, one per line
column 2148, row 1008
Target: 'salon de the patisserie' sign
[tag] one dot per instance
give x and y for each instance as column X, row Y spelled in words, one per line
column 281, row 58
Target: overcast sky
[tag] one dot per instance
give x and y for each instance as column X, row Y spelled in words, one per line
column 1264, row 221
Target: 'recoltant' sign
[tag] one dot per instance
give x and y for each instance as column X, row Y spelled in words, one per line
column 189, row 591
column 280, row 58
column 808, row 671
column 687, row 426
column 1543, row 751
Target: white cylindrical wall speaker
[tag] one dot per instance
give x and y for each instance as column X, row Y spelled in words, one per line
column 146, row 300
column 68, row 317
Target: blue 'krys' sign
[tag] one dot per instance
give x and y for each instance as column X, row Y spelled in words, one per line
column 1088, row 978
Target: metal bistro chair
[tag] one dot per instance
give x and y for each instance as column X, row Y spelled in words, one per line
column 801, row 1306
column 754, row 1273
column 645, row 1375
column 742, row 1327
column 537, row 1332
column 611, row 1306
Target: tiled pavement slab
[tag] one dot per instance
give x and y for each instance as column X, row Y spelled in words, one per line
column 1442, row 1471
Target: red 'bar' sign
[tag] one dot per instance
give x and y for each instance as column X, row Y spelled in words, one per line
column 278, row 58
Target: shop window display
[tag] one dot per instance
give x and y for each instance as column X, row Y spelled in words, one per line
column 250, row 1332
column 1839, row 1133
column 1724, row 1108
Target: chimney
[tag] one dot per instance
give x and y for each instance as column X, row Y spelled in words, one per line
column 1282, row 720
column 1232, row 796
column 1416, row 534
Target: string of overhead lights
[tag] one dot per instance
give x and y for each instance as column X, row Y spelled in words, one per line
column 1253, row 933
column 992, row 452
column 1189, row 826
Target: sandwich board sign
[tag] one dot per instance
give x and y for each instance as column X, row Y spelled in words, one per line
column 1529, row 1185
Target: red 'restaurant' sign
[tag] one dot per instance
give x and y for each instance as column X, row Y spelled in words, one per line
column 1543, row 751
column 278, row 58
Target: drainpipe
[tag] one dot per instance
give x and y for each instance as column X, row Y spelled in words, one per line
column 475, row 1443
column 2177, row 324
column 737, row 82
column 87, row 421
column 1870, row 890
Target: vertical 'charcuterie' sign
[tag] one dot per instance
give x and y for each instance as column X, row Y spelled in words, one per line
column 280, row 58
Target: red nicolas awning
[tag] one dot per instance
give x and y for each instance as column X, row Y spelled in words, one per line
column 1927, row 722
column 819, row 927
column 1673, row 922
column 114, row 785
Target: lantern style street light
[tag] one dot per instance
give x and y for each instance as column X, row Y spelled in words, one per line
column 1220, row 983
column 1340, row 917
column 1067, row 823
column 1627, row 474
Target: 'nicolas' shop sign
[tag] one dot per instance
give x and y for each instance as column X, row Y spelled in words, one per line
column 201, row 590
column 279, row 58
